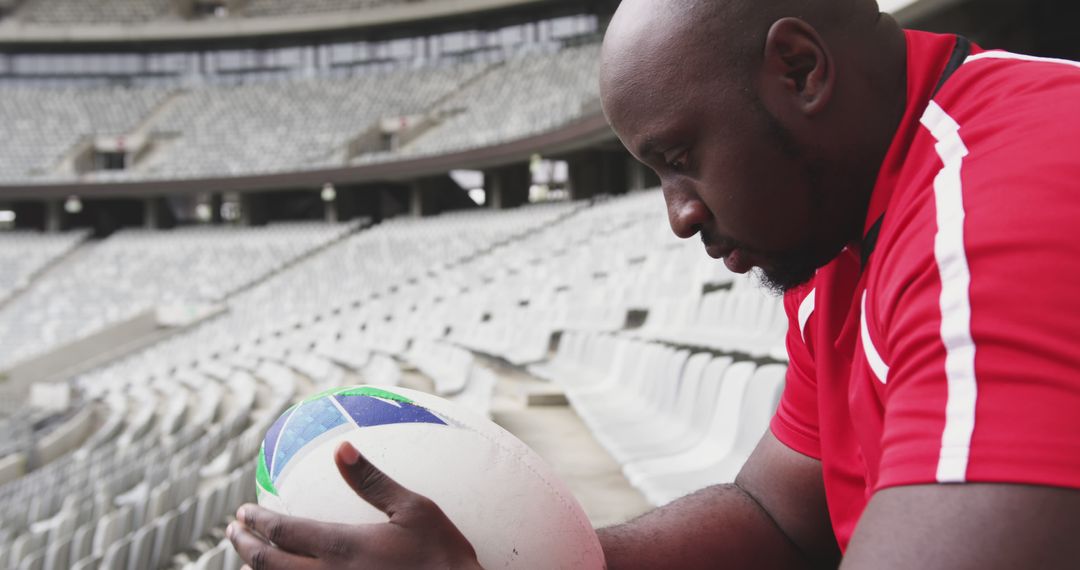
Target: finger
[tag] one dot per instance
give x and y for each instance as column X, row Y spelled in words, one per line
column 296, row 535
column 370, row 483
column 261, row 555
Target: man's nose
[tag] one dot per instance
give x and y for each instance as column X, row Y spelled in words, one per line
column 686, row 212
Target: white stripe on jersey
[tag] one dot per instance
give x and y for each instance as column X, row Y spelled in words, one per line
column 1019, row 57
column 881, row 370
column 954, row 302
column 806, row 308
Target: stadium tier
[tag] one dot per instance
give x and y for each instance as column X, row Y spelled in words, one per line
column 42, row 125
column 525, row 95
column 293, row 125
column 94, row 11
column 23, row 255
column 176, row 425
column 136, row 271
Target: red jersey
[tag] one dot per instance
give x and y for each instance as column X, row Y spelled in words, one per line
column 953, row 354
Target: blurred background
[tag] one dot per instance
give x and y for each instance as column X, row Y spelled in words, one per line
column 210, row 209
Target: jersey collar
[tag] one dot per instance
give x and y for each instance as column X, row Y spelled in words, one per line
column 927, row 57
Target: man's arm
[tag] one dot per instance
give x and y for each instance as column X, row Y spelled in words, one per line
column 773, row 516
column 983, row 526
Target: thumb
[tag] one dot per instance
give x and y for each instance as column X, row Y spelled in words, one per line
column 369, row 482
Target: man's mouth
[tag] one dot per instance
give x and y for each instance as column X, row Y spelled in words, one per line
column 736, row 260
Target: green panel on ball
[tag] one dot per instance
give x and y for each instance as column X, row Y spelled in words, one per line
column 262, row 474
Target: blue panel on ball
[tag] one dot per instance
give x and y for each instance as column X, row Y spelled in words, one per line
column 271, row 440
column 308, row 422
column 369, row 411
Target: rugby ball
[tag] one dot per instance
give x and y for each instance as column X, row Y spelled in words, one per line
column 502, row 496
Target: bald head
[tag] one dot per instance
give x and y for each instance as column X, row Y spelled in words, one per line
column 651, row 33
column 718, row 39
column 739, row 107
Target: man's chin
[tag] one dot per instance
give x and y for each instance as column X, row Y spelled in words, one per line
column 781, row 279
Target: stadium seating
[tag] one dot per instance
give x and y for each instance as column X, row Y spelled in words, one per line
column 23, row 255
column 42, row 125
column 513, row 99
column 294, row 125
column 95, row 11
column 678, row 401
column 135, row 271
column 274, row 126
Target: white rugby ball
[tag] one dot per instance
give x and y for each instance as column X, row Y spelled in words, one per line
column 502, row 496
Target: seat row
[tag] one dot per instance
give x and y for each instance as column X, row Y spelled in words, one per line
column 743, row 319
column 146, row 493
column 676, row 421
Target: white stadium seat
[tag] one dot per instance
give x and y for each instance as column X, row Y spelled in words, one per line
column 756, row 409
column 719, row 437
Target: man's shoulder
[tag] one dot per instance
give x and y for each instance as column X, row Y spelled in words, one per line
column 1011, row 125
column 991, row 173
column 1003, row 132
column 1013, row 92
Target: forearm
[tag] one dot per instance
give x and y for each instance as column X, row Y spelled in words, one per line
column 717, row 527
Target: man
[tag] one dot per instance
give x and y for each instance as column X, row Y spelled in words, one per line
column 918, row 201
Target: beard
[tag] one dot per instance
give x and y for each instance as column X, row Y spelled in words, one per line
column 786, row 274
column 788, row 270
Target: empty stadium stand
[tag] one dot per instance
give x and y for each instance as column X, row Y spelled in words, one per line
column 174, row 427
column 293, row 125
column 23, row 255
column 525, row 95
column 45, row 126
column 290, row 126
column 137, row 271
column 95, row 11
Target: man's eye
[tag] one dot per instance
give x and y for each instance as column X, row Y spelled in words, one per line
column 678, row 163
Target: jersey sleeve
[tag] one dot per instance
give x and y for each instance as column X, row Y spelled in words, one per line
column 796, row 420
column 982, row 329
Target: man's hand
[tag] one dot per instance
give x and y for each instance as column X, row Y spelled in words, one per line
column 418, row 535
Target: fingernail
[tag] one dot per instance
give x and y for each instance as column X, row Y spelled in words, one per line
column 349, row 454
column 240, row 514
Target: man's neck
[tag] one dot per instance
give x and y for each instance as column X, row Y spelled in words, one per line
column 887, row 79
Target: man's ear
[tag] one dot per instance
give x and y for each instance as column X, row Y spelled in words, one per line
column 797, row 66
